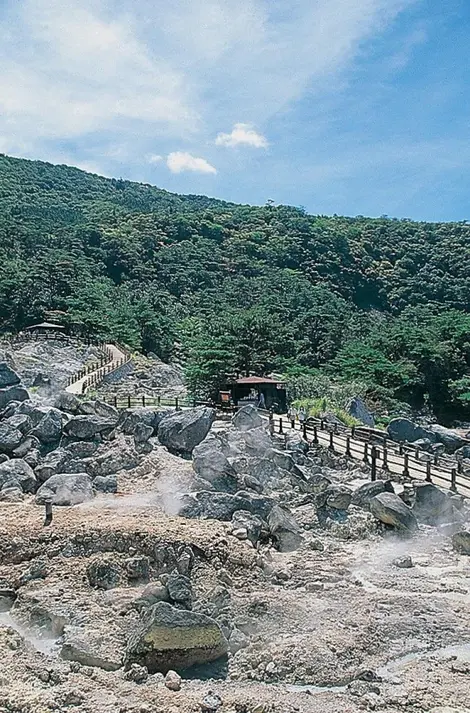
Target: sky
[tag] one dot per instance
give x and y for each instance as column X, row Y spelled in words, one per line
column 353, row 107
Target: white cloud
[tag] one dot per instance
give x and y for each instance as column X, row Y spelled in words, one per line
column 154, row 158
column 180, row 161
column 242, row 134
column 96, row 74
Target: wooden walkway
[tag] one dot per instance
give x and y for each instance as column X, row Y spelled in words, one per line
column 380, row 452
column 113, row 358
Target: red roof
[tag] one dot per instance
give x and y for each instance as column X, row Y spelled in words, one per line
column 255, row 380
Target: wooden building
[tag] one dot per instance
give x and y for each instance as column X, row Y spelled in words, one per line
column 258, row 390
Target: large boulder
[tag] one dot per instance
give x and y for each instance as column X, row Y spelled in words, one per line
column 284, row 530
column 403, row 430
column 461, row 542
column 85, row 428
column 433, row 506
column 49, row 428
column 391, row 510
column 146, row 415
column 66, row 489
column 10, row 437
column 53, row 463
column 211, row 463
column 221, row 506
column 358, row 410
column 92, row 647
column 449, row 438
column 364, row 493
column 8, row 377
column 174, row 639
column 254, row 442
column 247, row 418
column 337, row 497
column 17, row 471
column 119, row 456
column 182, row 431
column 12, row 393
column 67, row 402
column 463, row 452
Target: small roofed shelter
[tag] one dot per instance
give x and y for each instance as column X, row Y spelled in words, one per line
column 45, row 328
column 259, row 390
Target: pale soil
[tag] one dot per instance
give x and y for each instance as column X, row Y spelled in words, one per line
column 363, row 613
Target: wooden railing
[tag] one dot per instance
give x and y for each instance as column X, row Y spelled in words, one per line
column 97, row 371
column 379, row 451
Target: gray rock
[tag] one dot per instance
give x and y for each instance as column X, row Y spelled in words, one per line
column 137, row 674
column 295, row 443
column 424, row 444
column 337, row 497
column 182, row 431
column 10, row 437
column 91, row 647
column 267, row 472
column 66, row 489
column 142, row 433
column 173, row 681
column 32, row 457
column 53, row 463
column 86, row 427
column 358, row 410
column 463, row 452
column 118, row 457
column 461, row 542
column 21, row 421
column 18, row 471
column 67, row 402
column 7, row 599
column 12, row 393
column 180, row 590
column 284, row 530
column 152, row 594
column 26, row 446
column 238, row 641
column 364, row 493
column 211, row 463
column 391, row 510
column 82, row 449
column 174, row 639
column 221, row 506
column 255, row 443
column 450, row 439
column 8, row 377
column 432, row 506
column 247, row 418
column 138, row 568
column 403, row 430
column 243, row 519
column 105, row 484
column 210, row 703
column 106, row 411
column 104, row 572
column 403, row 562
column 12, row 494
column 49, row 428
column 131, row 417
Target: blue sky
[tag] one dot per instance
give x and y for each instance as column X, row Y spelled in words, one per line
column 341, row 106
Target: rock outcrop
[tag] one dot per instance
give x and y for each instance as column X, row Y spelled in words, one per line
column 66, row 489
column 174, row 639
column 391, row 510
column 182, row 431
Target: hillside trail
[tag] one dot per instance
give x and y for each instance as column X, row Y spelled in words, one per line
column 117, row 355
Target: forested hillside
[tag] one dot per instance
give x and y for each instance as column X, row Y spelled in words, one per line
column 232, row 288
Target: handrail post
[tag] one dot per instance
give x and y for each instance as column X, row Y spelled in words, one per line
column 158, row 401
column 177, row 404
column 406, row 470
column 385, row 458
column 436, row 459
column 280, row 425
column 417, row 453
column 322, row 425
column 459, row 466
column 353, row 431
column 373, row 466
column 315, row 435
column 348, row 446
column 453, row 480
column 292, row 423
column 115, row 402
column 428, row 472
column 332, row 445
column 143, row 400
column 366, row 456
column 128, row 401
column 304, row 431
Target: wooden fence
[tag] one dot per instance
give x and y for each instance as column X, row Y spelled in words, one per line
column 378, row 451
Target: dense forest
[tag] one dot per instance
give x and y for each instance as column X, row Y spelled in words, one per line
column 231, row 288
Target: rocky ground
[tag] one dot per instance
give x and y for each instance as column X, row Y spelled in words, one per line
column 149, row 376
column 201, row 565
